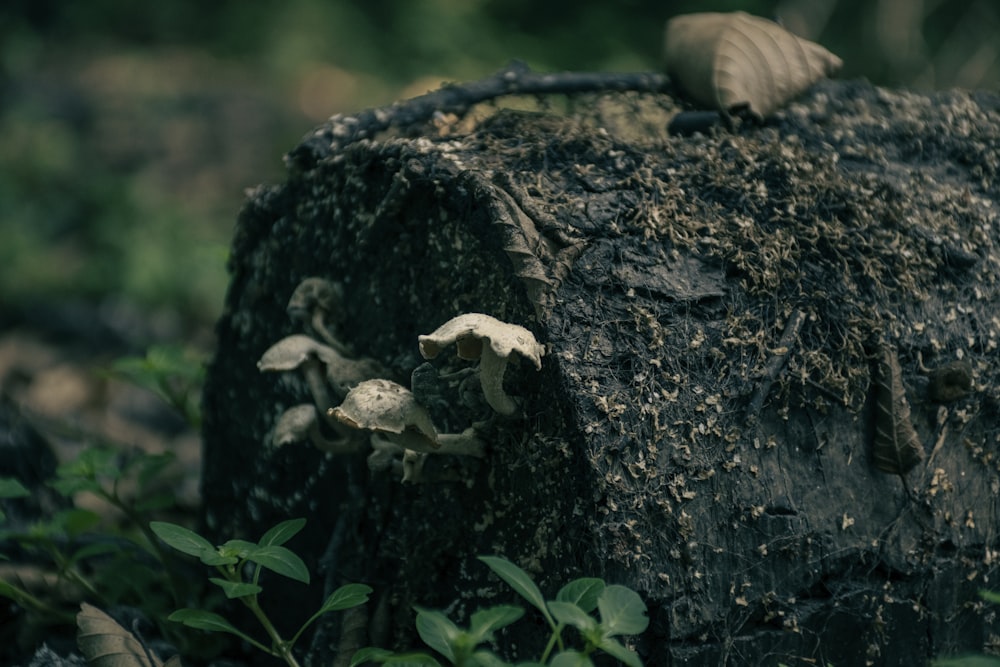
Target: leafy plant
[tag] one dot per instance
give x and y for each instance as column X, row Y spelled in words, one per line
column 172, row 372
column 73, row 540
column 232, row 560
column 620, row 612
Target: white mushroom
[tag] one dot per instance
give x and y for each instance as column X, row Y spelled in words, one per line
column 301, row 422
column 469, row 332
column 387, row 408
column 312, row 357
column 413, row 466
column 317, row 302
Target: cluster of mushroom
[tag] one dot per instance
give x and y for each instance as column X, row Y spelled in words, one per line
column 371, row 410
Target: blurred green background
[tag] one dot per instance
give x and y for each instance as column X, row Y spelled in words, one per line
column 131, row 130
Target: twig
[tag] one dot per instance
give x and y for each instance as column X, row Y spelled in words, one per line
column 515, row 79
column 776, row 363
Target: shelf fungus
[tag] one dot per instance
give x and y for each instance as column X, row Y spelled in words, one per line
column 317, row 304
column 737, row 62
column 301, row 423
column 486, row 338
column 390, row 410
column 320, row 364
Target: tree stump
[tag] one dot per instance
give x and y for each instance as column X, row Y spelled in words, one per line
column 713, row 415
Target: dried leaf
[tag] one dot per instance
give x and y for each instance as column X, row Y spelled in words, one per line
column 732, row 61
column 897, row 447
column 105, row 643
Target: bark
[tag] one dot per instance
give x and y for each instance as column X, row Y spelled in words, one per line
column 714, row 310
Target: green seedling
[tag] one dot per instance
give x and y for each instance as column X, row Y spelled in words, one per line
column 620, row 612
column 233, row 560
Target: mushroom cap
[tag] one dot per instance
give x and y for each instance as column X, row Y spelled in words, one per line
column 470, row 330
column 315, row 293
column 384, row 406
column 291, row 352
column 294, row 424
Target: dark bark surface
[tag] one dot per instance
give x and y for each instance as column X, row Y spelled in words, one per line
column 714, row 310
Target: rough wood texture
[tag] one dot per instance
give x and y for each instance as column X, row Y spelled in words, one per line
column 670, row 278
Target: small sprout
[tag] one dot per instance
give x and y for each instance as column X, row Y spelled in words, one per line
column 316, row 303
column 390, row 409
column 301, row 423
column 468, row 332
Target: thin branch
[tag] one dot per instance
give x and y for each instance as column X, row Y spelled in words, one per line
column 515, row 79
column 776, row 363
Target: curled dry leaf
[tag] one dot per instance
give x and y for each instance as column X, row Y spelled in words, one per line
column 734, row 61
column 105, row 643
column 897, row 447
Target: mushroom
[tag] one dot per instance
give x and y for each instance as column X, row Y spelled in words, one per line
column 468, row 332
column 302, row 352
column 302, row 423
column 384, row 455
column 413, row 466
column 314, row 303
column 390, row 409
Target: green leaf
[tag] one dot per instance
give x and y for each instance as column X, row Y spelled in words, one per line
column 180, row 538
column 383, row 656
column 582, row 592
column 568, row 613
column 487, row 659
column 990, row 596
column 12, row 488
column 345, row 597
column 239, row 549
column 73, row 485
column 236, row 589
column 484, row 622
column 206, row 620
column 281, row 533
column 76, row 521
column 437, row 631
column 369, row 654
column 622, row 611
column 519, row 580
column 281, row 560
column 619, row 652
column 571, row 659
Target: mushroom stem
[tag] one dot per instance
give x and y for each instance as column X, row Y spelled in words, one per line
column 347, row 443
column 465, row 444
column 491, row 370
column 384, row 454
column 318, row 323
column 313, row 370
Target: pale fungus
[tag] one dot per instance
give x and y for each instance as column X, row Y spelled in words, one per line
column 316, row 303
column 486, row 338
column 300, row 352
column 301, row 422
column 389, row 409
column 319, row 363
